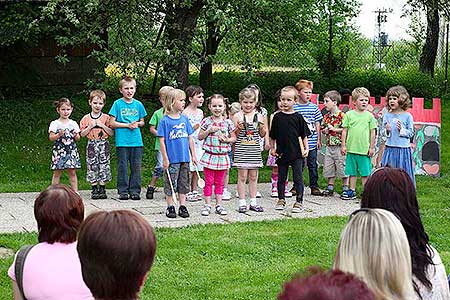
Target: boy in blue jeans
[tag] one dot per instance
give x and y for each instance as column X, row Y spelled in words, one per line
column 127, row 115
column 358, row 140
column 313, row 118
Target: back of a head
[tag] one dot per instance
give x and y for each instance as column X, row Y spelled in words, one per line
column 59, row 212
column 116, row 251
column 373, row 246
column 331, row 285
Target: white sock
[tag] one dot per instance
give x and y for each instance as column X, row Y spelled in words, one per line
column 253, row 202
column 242, row 202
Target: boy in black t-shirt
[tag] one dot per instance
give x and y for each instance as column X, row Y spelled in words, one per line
column 289, row 142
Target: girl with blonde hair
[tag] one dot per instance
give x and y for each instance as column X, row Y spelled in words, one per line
column 374, row 246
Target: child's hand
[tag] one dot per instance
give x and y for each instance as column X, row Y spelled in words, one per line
column 133, row 125
column 213, row 129
column 305, row 153
column 343, row 149
column 223, row 138
column 370, row 152
column 166, row 164
column 194, row 161
column 92, row 124
column 399, row 124
column 196, row 126
column 240, row 125
column 388, row 127
column 273, row 152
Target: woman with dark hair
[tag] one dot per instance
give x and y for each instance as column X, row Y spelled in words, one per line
column 330, row 285
column 116, row 250
column 393, row 189
column 52, row 268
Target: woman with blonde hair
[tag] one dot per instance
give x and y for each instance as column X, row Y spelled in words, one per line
column 374, row 246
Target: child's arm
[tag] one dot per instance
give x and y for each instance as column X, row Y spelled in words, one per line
column 192, row 149
column 106, row 128
column 305, row 148
column 408, row 130
column 132, row 125
column 319, row 142
column 76, row 136
column 54, row 136
column 344, row 139
column 372, row 142
column 86, row 130
column 153, row 130
column 162, row 148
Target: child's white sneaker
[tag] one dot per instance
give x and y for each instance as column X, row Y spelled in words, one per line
column 226, row 195
column 206, row 210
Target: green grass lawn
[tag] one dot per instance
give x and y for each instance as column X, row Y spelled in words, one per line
column 235, row 261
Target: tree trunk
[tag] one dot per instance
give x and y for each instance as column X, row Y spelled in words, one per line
column 181, row 21
column 211, row 46
column 429, row 50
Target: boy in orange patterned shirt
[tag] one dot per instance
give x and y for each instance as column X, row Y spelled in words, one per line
column 331, row 127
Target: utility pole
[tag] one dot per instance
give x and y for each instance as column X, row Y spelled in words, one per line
column 381, row 41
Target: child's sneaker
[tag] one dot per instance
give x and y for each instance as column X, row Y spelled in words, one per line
column 190, row 197
column 258, row 195
column 293, row 191
column 274, row 194
column 102, row 192
column 183, row 212
column 226, row 195
column 288, row 194
column 206, row 210
column 170, row 212
column 348, row 195
column 257, row 208
column 94, row 193
column 149, row 193
column 281, row 204
column 328, row 193
column 220, row 210
column 298, row 207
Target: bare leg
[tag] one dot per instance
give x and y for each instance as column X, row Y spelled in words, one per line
column 182, row 199
column 194, row 181
column 252, row 182
column 353, row 182
column 242, row 178
column 345, row 181
column 56, row 176
column 73, row 179
column 331, row 181
column 363, row 180
column 153, row 181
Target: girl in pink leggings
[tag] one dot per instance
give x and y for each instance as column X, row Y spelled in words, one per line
column 218, row 133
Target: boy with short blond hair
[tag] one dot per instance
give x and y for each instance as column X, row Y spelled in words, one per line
column 358, row 140
column 154, row 121
column 331, row 127
column 95, row 126
column 127, row 115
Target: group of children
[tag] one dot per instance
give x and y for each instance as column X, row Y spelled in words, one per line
column 232, row 136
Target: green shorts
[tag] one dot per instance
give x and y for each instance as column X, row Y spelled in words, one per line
column 357, row 164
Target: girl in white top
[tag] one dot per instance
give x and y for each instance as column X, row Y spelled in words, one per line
column 64, row 132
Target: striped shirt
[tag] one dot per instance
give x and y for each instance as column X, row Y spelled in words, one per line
column 247, row 149
column 311, row 114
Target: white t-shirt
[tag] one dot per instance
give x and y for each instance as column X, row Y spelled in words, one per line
column 437, row 275
column 57, row 125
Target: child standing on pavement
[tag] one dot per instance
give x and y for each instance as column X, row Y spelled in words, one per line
column 398, row 124
column 217, row 131
column 358, row 140
column 177, row 149
column 313, row 117
column 95, row 126
column 195, row 115
column 64, row 132
column 127, row 115
column 334, row 161
column 271, row 160
column 154, row 121
column 247, row 151
column 287, row 131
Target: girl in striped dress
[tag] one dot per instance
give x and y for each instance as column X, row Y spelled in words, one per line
column 218, row 133
column 247, row 150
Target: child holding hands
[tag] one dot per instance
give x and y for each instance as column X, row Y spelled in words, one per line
column 289, row 143
column 177, row 148
column 64, row 132
column 218, row 133
column 95, row 126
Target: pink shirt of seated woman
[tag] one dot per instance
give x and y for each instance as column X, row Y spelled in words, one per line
column 52, row 269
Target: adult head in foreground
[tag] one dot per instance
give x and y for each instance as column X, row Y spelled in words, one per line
column 52, row 268
column 116, row 251
column 330, row 285
column 374, row 247
column 392, row 189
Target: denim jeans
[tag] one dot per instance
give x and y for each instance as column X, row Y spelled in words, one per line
column 311, row 161
column 133, row 157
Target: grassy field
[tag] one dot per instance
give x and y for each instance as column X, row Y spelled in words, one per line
column 235, row 261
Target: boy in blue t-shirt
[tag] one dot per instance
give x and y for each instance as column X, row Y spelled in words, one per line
column 313, row 118
column 127, row 115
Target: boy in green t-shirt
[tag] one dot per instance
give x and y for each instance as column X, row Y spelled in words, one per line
column 154, row 121
column 358, row 140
